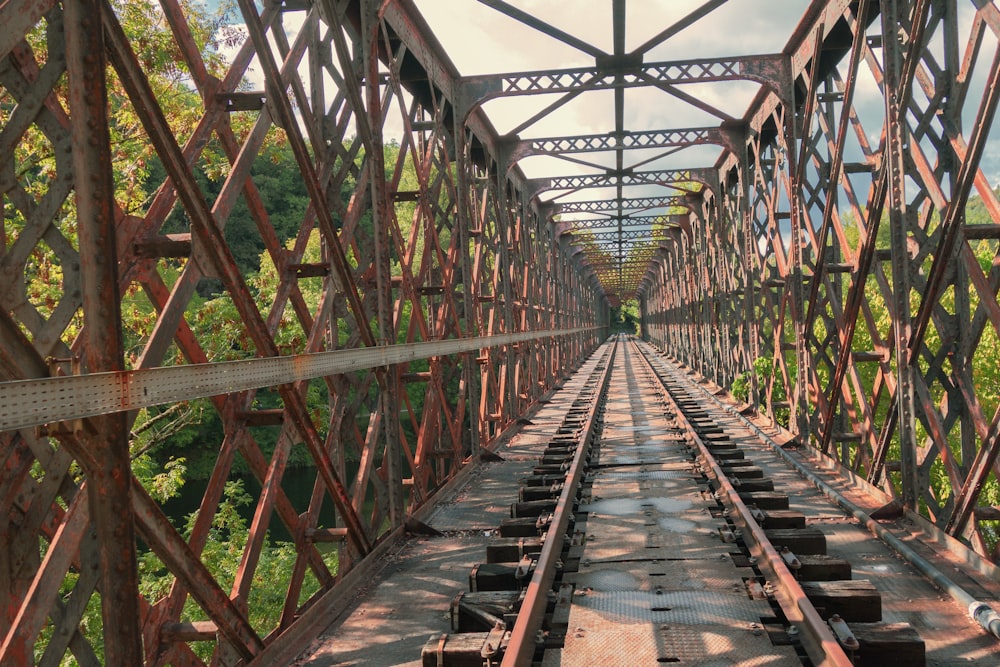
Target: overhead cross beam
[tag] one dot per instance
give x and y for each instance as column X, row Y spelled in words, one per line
column 636, row 204
column 679, row 179
column 623, row 222
column 627, row 236
column 619, row 141
column 619, row 70
column 625, row 72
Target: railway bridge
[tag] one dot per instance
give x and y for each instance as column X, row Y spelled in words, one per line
column 487, row 331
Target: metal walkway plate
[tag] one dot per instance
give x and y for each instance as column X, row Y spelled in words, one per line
column 704, row 628
column 715, row 573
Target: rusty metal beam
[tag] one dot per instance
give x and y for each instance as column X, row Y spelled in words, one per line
column 624, row 72
column 105, row 436
column 618, row 205
column 541, row 293
column 780, row 264
column 596, row 143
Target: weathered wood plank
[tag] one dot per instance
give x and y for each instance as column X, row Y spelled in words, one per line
column 765, row 500
column 854, row 601
column 823, row 568
column 888, row 644
column 809, row 540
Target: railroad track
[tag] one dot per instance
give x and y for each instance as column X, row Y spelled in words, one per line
column 776, row 539
column 656, row 528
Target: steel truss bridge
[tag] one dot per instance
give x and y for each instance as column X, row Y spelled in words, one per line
column 824, row 260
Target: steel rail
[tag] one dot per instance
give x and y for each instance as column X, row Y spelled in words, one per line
column 978, row 610
column 817, row 638
column 29, row 403
column 521, row 647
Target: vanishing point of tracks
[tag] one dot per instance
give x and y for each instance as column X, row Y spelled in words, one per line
column 638, row 520
column 648, row 534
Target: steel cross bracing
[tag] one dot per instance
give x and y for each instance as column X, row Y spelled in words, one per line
column 640, row 236
column 845, row 278
column 614, row 205
column 619, row 70
column 825, row 264
column 596, row 143
column 626, row 70
column 614, row 222
column 428, row 240
column 673, row 178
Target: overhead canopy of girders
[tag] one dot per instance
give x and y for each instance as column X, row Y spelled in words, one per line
column 628, row 164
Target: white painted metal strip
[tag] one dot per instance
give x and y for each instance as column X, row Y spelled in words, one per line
column 27, row 403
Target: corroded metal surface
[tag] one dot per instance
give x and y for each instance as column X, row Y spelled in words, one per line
column 835, row 271
column 655, row 574
column 865, row 338
column 950, row 636
column 408, row 602
column 470, row 257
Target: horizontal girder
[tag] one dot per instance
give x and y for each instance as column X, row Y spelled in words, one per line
column 636, row 204
column 614, row 222
column 619, row 141
column 680, row 179
column 625, row 72
column 628, row 235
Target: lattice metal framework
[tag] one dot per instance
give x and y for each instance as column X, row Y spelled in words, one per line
column 459, row 251
column 824, row 264
column 838, row 275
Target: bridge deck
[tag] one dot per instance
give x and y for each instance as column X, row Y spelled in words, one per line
column 410, row 600
column 654, row 574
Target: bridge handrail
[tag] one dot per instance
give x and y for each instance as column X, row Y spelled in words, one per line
column 28, row 403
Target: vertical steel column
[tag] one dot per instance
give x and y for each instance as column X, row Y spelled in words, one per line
column 463, row 224
column 738, row 193
column 716, row 333
column 506, row 222
column 375, row 159
column 643, row 311
column 798, row 421
column 894, row 14
column 108, row 468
